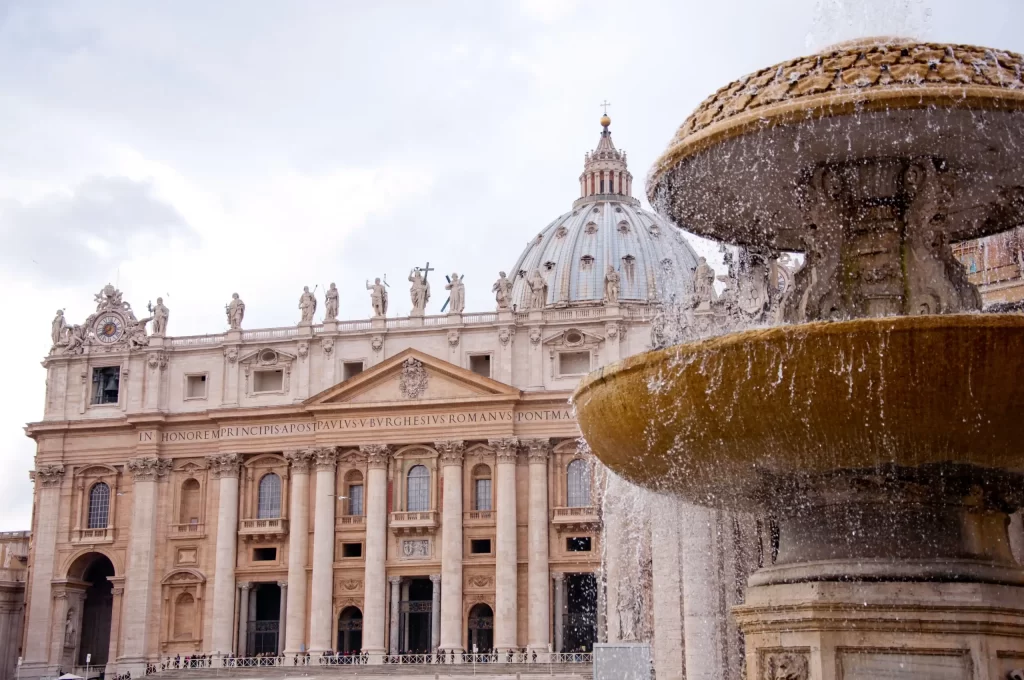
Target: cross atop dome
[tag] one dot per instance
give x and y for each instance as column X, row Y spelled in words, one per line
column 604, row 169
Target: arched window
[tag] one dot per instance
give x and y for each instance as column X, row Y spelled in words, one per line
column 268, row 505
column 417, row 491
column 578, row 483
column 191, row 502
column 481, row 487
column 184, row 616
column 354, row 491
column 99, row 506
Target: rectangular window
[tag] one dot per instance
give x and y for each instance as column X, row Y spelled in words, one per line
column 574, row 363
column 350, row 369
column 106, row 382
column 482, row 501
column 264, row 554
column 195, row 386
column 480, row 364
column 578, row 544
column 351, row 549
column 355, row 499
column 268, row 381
column 480, row 546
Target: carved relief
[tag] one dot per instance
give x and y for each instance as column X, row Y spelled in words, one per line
column 480, row 581
column 453, row 338
column 351, row 584
column 327, row 344
column 505, row 334
column 148, row 468
column 416, row 549
column 413, row 381
column 157, row 360
column 535, row 336
column 377, row 343
column 782, row 665
column 303, row 350
column 231, row 354
column 50, row 475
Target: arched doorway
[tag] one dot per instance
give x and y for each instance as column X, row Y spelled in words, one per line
column 350, row 630
column 97, row 603
column 481, row 629
column 414, row 630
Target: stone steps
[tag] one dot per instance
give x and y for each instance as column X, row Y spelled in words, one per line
column 525, row 671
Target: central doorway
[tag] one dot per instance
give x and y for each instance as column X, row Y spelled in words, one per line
column 350, row 631
column 415, row 610
column 580, row 631
column 264, row 619
column 97, row 609
column 481, row 629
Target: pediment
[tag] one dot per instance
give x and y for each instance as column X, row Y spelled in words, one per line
column 411, row 377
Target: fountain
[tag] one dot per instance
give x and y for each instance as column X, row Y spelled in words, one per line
column 880, row 427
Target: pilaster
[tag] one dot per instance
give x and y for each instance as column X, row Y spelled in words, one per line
column 538, row 453
column 326, row 461
column 451, row 545
column 224, row 468
column 396, row 583
column 48, row 479
column 298, row 549
column 506, row 558
column 374, row 577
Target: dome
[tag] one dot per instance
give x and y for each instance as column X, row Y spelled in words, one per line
column 606, row 227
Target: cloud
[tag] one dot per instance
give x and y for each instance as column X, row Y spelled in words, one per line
column 65, row 238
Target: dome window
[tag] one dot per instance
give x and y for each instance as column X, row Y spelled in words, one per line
column 586, row 261
column 521, row 273
column 573, row 337
column 596, row 210
column 654, row 231
column 666, row 265
column 623, row 227
column 549, row 265
column 591, row 228
column 628, row 266
column 561, row 232
column 540, row 237
column 618, row 208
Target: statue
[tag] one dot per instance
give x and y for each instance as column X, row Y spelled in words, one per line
column 235, row 311
column 502, row 290
column 136, row 334
column 378, row 297
column 703, row 285
column 458, row 294
column 611, row 285
column 331, row 304
column 160, row 314
column 58, row 328
column 69, row 629
column 419, row 292
column 307, row 306
column 76, row 340
column 538, row 289
column 108, row 298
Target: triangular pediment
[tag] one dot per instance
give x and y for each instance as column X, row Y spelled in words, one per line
column 411, row 377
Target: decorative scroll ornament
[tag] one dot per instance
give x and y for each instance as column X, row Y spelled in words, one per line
column 413, row 381
column 451, row 451
column 327, row 344
column 537, row 449
column 376, row 455
column 50, row 475
column 505, row 334
column 453, row 338
column 300, row 459
column 377, row 343
column 224, row 464
column 504, row 448
column 148, row 468
column 231, row 354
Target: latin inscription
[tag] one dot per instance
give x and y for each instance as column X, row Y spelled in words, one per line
column 357, row 424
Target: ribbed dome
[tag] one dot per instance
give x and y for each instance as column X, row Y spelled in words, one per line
column 606, row 227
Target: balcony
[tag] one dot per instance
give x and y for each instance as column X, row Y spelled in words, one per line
column 478, row 518
column 350, row 522
column 191, row 530
column 262, row 529
column 413, row 523
column 583, row 518
column 93, row 536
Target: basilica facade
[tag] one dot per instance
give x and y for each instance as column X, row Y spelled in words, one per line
column 384, row 485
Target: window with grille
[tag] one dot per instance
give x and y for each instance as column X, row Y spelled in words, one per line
column 482, row 501
column 106, row 382
column 579, row 484
column 269, row 502
column 417, row 492
column 99, row 506
column 355, row 499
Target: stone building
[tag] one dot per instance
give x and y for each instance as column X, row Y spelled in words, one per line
column 995, row 264
column 14, row 546
column 388, row 484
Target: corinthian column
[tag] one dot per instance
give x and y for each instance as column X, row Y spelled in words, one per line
column 451, row 545
column 138, row 583
column 323, row 550
column 38, row 627
column 298, row 549
column 375, row 576
column 538, row 451
column 224, row 468
column 505, row 559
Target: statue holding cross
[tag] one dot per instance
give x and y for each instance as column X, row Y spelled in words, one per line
column 419, row 291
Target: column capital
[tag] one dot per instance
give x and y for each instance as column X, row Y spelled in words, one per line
column 504, row 448
column 282, row 584
column 376, row 454
column 300, row 460
column 245, row 585
column 394, row 580
column 148, row 468
column 435, row 579
column 224, row 464
column 558, row 577
column 451, row 451
column 537, row 450
column 326, row 457
column 49, row 475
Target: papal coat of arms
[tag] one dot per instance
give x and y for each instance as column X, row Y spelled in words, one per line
column 413, row 381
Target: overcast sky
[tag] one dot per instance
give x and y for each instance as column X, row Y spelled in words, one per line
column 193, row 149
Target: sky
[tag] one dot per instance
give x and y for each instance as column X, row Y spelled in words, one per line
column 193, row 149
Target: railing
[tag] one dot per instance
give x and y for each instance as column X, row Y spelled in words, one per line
column 348, row 326
column 477, row 516
column 186, row 530
column 480, row 317
column 574, row 514
column 263, row 526
column 15, row 534
column 94, row 535
column 13, row 575
column 515, row 657
column 196, row 340
column 413, row 522
column 271, row 333
column 351, row 519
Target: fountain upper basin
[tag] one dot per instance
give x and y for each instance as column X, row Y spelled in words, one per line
column 730, row 421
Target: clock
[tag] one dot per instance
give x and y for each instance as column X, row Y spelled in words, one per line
column 109, row 328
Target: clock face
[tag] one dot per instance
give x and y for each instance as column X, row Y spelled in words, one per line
column 109, row 328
